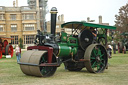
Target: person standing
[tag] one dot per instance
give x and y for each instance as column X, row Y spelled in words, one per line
column 109, row 50
column 93, row 30
column 18, row 53
column 114, row 47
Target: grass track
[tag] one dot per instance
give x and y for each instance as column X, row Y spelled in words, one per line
column 116, row 74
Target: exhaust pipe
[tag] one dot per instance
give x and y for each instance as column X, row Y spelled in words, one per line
column 53, row 20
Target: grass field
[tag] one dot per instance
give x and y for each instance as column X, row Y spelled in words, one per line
column 116, row 74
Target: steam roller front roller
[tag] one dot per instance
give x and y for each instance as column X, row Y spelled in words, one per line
column 97, row 59
column 31, row 61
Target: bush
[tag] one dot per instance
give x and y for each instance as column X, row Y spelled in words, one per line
column 21, row 43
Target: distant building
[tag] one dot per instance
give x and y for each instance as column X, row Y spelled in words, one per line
column 100, row 22
column 19, row 22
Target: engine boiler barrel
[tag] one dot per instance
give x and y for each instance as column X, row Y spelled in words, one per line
column 53, row 20
column 66, row 51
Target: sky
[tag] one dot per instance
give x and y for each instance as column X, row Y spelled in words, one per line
column 79, row 10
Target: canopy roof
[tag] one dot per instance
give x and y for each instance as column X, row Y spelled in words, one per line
column 82, row 25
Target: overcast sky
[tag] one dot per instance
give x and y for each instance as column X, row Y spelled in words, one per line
column 77, row 10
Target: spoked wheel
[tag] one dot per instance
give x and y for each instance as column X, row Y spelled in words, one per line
column 0, row 54
column 35, row 58
column 47, row 70
column 9, row 50
column 101, row 40
column 97, row 58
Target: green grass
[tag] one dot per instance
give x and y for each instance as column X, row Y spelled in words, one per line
column 116, row 74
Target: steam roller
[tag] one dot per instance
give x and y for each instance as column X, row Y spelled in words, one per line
column 77, row 50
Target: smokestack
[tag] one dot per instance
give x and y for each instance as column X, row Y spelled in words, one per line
column 59, row 18
column 53, row 20
column 62, row 17
column 13, row 3
column 88, row 19
column 16, row 3
column 100, row 19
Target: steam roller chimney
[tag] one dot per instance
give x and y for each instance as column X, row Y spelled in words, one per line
column 53, row 20
column 62, row 17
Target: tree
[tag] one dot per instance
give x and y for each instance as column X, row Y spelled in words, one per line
column 122, row 19
column 109, row 39
column 21, row 43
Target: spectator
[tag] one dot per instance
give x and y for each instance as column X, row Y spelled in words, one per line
column 18, row 53
column 94, row 33
column 114, row 47
column 109, row 51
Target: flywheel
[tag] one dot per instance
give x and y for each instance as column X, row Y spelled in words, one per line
column 85, row 38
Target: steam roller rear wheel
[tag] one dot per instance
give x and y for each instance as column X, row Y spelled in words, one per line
column 97, row 58
column 0, row 54
column 37, row 57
